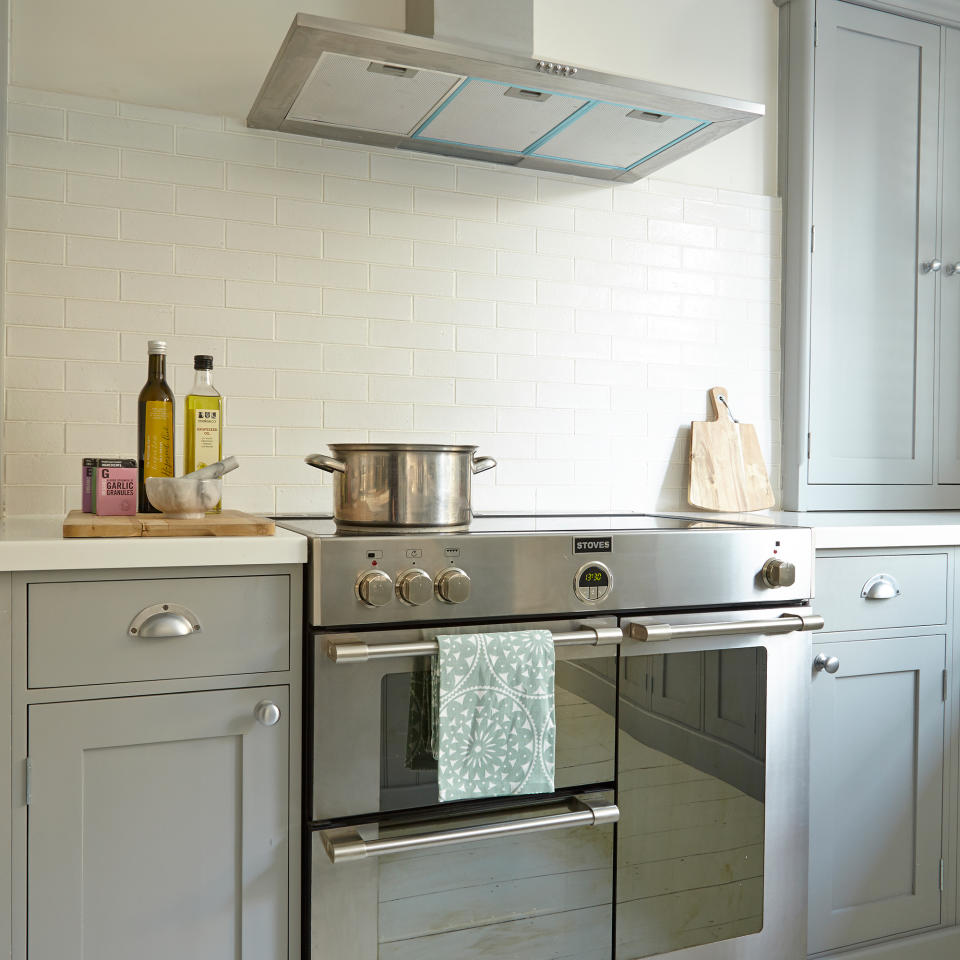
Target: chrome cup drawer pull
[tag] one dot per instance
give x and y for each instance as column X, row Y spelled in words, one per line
column 164, row 621
column 785, row 623
column 356, row 652
column 880, row 587
column 344, row 845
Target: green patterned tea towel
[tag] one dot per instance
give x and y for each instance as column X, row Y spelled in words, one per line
column 496, row 719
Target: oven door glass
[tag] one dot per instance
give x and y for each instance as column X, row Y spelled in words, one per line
column 372, row 738
column 532, row 881
column 691, row 788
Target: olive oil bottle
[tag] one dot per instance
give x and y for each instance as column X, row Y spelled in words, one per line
column 203, row 420
column 154, row 424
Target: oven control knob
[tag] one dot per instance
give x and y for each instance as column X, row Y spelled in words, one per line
column 778, row 573
column 415, row 587
column 453, row 585
column 375, row 588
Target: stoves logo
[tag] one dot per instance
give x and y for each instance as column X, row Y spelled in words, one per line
column 592, row 544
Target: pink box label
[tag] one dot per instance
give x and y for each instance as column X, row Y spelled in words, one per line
column 116, row 491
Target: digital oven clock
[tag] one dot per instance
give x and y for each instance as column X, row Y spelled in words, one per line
column 593, row 582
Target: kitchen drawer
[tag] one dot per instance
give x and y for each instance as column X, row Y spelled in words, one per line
column 78, row 632
column 920, row 578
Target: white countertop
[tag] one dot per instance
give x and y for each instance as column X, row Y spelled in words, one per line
column 849, row 530
column 35, row 543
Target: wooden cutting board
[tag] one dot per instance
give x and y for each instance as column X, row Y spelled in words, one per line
column 727, row 472
column 228, row 523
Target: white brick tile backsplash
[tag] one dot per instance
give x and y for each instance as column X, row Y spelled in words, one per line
column 36, row 121
column 62, row 218
column 349, row 294
column 313, row 158
column 121, row 254
column 185, row 171
column 327, row 273
column 29, row 373
column 36, row 184
column 226, row 146
column 268, row 239
column 124, row 194
column 35, row 247
column 225, row 205
column 57, row 281
column 167, row 228
column 63, row 155
column 301, row 326
column 120, row 132
column 322, row 216
column 412, row 226
column 275, row 183
column 395, row 168
column 150, row 318
column 229, row 264
column 290, row 298
column 473, row 313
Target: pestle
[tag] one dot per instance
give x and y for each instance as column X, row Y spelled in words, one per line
column 214, row 470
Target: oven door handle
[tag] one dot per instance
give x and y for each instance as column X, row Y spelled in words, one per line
column 346, row 844
column 785, row 623
column 355, row 652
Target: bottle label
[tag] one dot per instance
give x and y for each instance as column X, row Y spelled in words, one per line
column 206, row 437
column 158, row 439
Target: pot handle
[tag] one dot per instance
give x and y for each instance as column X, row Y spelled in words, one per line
column 322, row 462
column 480, row 464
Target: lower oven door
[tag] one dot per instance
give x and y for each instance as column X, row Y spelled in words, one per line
column 370, row 708
column 530, row 881
column 712, row 786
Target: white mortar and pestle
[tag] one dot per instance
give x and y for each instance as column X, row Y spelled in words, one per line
column 189, row 497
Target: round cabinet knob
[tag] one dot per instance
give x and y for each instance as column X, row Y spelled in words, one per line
column 823, row 662
column 931, row 266
column 267, row 713
column 453, row 586
column 778, row 573
column 952, row 269
column 375, row 588
column 415, row 587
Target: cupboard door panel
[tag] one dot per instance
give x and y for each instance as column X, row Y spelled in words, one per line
column 876, row 790
column 158, row 828
column 875, row 216
column 949, row 430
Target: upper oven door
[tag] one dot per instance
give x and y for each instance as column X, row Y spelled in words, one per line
column 712, row 785
column 371, row 751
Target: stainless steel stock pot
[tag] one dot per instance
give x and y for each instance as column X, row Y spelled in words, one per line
column 403, row 486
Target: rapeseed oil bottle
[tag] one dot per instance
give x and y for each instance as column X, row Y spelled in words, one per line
column 203, row 420
column 154, row 424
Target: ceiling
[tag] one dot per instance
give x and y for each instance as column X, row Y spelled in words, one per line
column 205, row 56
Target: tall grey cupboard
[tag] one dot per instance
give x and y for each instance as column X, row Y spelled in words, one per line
column 870, row 154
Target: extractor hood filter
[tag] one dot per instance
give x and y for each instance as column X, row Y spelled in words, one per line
column 389, row 89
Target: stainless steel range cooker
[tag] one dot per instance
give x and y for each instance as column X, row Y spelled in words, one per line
column 678, row 822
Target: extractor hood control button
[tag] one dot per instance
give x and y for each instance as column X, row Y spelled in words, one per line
column 453, row 586
column 778, row 573
column 375, row 588
column 415, row 587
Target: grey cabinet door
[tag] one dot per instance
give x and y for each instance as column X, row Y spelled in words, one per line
column 876, row 81
column 677, row 687
column 158, row 828
column 949, row 430
column 876, row 790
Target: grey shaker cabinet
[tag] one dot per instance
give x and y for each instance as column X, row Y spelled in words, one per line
column 876, row 790
column 871, row 419
column 158, row 827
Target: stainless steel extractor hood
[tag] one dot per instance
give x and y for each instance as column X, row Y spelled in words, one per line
column 471, row 89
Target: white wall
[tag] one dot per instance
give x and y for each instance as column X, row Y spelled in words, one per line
column 570, row 329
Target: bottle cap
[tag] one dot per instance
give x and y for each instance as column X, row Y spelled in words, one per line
column 157, row 346
column 202, row 362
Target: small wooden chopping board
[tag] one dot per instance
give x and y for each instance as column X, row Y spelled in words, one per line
column 228, row 523
column 727, row 472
